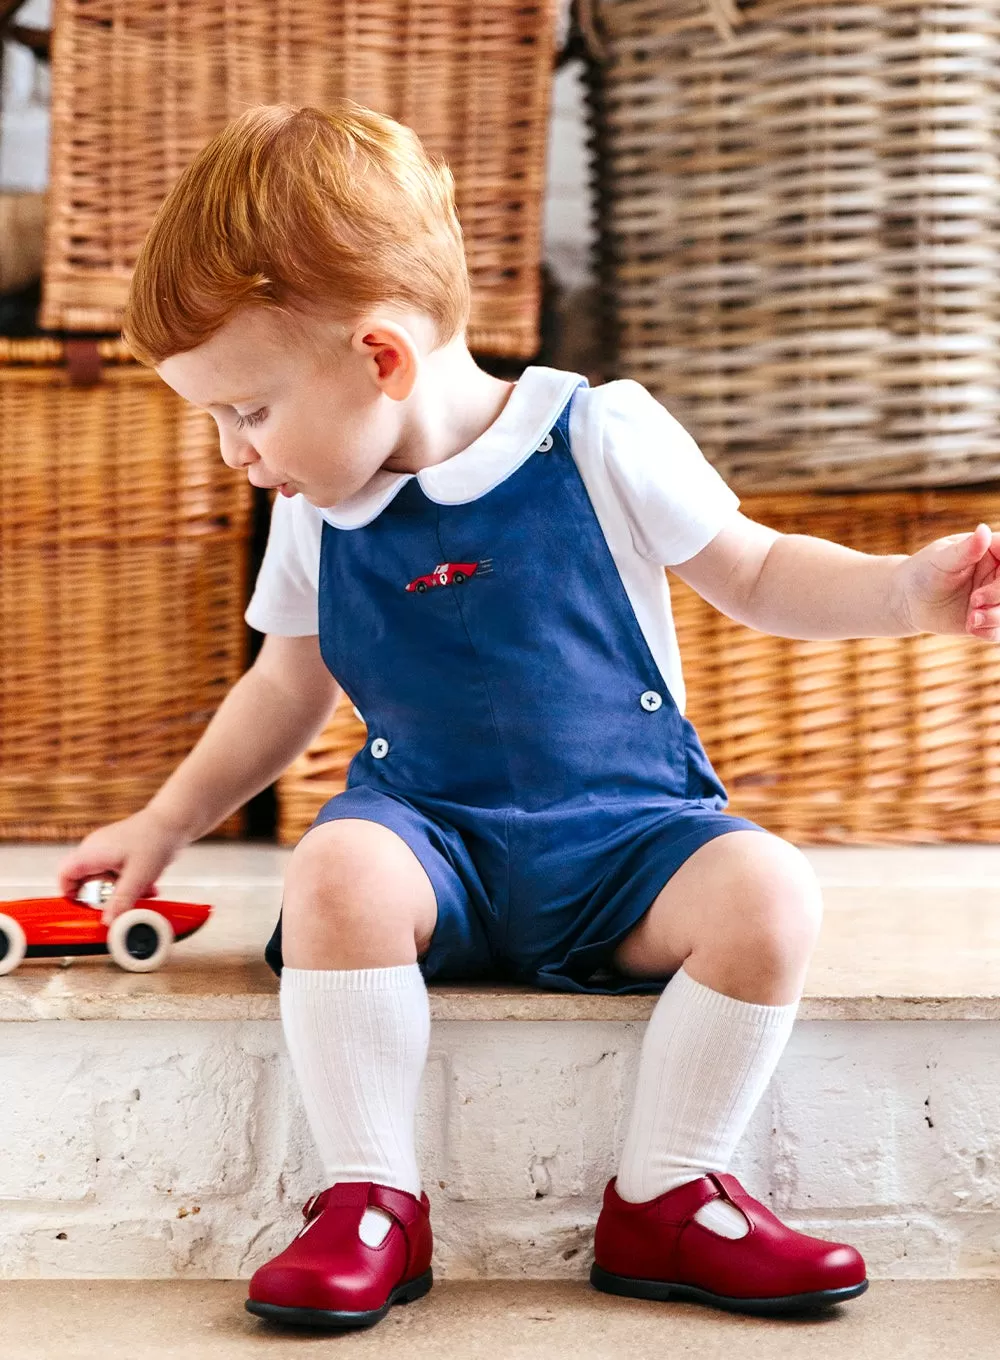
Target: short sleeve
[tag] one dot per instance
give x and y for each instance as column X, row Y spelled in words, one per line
column 286, row 595
column 673, row 498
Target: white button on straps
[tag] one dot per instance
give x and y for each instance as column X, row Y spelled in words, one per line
column 546, row 444
column 379, row 748
column 651, row 701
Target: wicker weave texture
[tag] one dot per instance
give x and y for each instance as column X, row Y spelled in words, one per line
column 799, row 232
column 123, row 562
column 868, row 741
column 139, row 87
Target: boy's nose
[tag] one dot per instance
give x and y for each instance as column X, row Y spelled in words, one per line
column 236, row 453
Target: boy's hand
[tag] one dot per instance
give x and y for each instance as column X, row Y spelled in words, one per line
column 953, row 585
column 134, row 852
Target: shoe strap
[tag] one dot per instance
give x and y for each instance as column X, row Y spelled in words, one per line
column 731, row 1190
column 680, row 1205
column 361, row 1195
column 342, row 1195
column 403, row 1207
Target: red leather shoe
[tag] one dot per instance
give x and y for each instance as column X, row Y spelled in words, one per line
column 656, row 1250
column 327, row 1277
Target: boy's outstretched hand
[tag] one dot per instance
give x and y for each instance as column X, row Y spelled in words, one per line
column 134, row 852
column 953, row 585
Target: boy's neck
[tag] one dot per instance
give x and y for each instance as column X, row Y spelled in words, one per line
column 454, row 403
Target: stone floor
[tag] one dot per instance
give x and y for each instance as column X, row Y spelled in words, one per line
column 205, row 1320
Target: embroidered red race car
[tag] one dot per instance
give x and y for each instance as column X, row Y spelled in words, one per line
column 138, row 940
column 446, row 574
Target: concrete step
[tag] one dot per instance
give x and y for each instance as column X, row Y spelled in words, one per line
column 192, row 1320
column 151, row 1127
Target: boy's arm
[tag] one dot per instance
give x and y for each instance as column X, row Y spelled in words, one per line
column 267, row 719
column 795, row 586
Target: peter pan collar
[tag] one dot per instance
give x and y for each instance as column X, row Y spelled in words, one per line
column 532, row 409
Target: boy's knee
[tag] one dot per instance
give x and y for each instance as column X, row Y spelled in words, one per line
column 353, row 872
column 777, row 910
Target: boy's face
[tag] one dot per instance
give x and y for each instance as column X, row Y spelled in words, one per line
column 317, row 426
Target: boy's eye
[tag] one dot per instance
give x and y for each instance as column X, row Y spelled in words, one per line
column 254, row 418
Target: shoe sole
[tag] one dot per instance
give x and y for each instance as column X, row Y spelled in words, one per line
column 782, row 1305
column 329, row 1319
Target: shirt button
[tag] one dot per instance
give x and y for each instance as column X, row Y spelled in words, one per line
column 651, row 701
column 379, row 748
column 546, row 444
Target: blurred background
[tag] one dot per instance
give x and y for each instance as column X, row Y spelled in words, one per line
column 780, row 217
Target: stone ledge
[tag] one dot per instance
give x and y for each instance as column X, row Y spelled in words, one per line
column 62, row 998
column 909, row 933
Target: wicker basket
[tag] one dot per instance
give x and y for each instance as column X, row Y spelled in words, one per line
column 799, row 231
column 867, row 741
column 138, row 89
column 877, row 740
column 123, row 563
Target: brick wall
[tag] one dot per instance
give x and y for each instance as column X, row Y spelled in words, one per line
column 179, row 1149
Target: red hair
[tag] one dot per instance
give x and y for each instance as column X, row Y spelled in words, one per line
column 299, row 210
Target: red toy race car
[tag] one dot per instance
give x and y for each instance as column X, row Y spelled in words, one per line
column 446, row 574
column 56, row 927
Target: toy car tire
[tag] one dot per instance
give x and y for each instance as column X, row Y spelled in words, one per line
column 459, row 578
column 139, row 940
column 421, row 587
column 13, row 944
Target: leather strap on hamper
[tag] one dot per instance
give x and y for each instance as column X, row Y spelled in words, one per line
column 83, row 362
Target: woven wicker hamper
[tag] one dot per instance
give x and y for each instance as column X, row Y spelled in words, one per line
column 799, row 209
column 123, row 563
column 875, row 740
column 138, row 89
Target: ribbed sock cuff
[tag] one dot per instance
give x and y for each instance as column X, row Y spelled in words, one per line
column 730, row 1007
column 351, row 979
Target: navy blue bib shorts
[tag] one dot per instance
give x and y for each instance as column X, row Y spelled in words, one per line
column 521, row 738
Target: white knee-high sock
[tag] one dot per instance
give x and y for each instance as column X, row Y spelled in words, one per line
column 358, row 1041
column 706, row 1061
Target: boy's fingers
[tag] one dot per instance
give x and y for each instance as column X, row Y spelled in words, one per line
column 986, row 596
column 75, row 871
column 127, row 891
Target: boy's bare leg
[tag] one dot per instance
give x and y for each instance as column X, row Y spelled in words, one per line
column 358, row 911
column 741, row 916
column 356, row 896
column 737, row 924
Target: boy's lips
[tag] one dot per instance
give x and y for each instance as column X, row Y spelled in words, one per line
column 285, row 488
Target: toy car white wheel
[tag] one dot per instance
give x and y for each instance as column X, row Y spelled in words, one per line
column 12, row 944
column 139, row 940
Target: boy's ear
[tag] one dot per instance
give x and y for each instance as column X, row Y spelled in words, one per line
column 391, row 356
